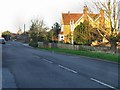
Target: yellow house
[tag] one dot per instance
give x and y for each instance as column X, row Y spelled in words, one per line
column 71, row 20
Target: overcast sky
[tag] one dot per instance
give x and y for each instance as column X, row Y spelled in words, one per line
column 15, row 13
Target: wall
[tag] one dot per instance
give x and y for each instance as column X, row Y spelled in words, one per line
column 74, row 47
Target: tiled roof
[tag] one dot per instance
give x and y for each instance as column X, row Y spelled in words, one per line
column 66, row 17
column 61, row 33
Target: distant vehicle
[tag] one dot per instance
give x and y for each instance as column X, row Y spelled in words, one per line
column 2, row 41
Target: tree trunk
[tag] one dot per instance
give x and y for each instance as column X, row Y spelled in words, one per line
column 113, row 46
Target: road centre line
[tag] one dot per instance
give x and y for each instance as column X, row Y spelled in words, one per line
column 102, row 83
column 67, row 69
column 47, row 61
column 90, row 78
column 95, row 80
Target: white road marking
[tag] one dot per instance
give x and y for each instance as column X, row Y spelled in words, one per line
column 77, row 72
column 47, row 61
column 67, row 68
column 103, row 83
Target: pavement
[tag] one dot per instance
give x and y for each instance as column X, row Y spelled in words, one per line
column 31, row 68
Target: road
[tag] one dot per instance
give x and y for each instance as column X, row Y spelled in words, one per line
column 32, row 68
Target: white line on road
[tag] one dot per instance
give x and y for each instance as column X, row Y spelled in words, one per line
column 103, row 83
column 67, row 68
column 47, row 61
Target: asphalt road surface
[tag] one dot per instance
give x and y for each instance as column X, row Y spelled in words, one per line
column 26, row 67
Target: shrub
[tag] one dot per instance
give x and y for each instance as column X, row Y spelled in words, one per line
column 33, row 44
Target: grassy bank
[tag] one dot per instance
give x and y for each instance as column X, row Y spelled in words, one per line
column 99, row 55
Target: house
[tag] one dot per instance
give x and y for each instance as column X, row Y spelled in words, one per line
column 71, row 20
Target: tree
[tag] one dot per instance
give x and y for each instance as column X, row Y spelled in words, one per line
column 84, row 34
column 19, row 31
column 56, row 30
column 78, row 34
column 6, row 35
column 37, row 31
column 111, row 12
column 49, row 35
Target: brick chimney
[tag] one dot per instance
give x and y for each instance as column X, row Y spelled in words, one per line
column 68, row 12
column 85, row 11
column 102, row 18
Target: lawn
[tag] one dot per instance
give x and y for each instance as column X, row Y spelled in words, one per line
column 99, row 55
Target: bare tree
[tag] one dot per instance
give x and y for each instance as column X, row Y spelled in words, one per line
column 110, row 8
column 19, row 31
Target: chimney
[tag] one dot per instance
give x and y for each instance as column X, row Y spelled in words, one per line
column 68, row 12
column 102, row 12
column 85, row 11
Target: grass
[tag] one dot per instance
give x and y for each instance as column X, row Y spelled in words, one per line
column 99, row 55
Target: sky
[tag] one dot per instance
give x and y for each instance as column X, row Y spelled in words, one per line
column 15, row 13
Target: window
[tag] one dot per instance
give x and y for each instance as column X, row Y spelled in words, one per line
column 61, row 36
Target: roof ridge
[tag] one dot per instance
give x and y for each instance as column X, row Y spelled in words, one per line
column 66, row 17
column 72, row 13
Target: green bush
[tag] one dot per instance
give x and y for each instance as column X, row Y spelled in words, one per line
column 33, row 44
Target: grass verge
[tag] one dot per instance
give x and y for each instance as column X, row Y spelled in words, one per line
column 99, row 55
